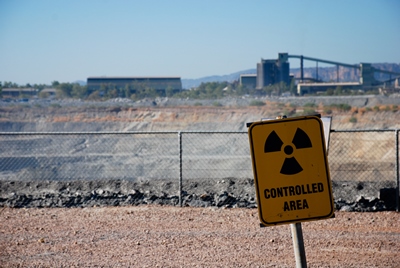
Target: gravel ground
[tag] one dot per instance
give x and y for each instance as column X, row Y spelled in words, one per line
column 167, row 236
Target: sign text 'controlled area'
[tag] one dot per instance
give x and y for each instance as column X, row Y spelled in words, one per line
column 286, row 191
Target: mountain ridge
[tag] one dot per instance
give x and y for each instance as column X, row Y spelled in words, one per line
column 324, row 73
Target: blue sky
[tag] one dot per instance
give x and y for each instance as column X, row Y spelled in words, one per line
column 67, row 40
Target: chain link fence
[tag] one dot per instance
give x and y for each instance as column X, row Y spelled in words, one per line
column 217, row 169
column 89, row 156
column 364, row 165
column 176, row 168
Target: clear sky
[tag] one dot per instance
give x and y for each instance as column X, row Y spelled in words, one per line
column 67, row 40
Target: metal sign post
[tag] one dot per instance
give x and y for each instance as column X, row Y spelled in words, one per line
column 298, row 245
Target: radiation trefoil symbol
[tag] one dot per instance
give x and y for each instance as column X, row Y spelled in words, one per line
column 274, row 144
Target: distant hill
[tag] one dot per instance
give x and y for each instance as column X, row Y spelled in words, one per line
column 80, row 82
column 324, row 73
column 189, row 83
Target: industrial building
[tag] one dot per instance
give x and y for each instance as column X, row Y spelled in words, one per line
column 275, row 71
column 157, row 83
column 27, row 92
column 18, row 92
column 307, row 88
column 248, row 80
column 270, row 72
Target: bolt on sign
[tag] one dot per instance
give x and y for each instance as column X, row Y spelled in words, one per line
column 291, row 170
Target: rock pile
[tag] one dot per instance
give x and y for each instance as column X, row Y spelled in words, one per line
column 91, row 194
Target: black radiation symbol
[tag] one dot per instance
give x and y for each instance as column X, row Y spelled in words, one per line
column 274, row 144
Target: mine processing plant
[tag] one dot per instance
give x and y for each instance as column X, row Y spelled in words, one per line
column 273, row 71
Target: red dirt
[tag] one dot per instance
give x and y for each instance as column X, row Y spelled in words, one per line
column 165, row 236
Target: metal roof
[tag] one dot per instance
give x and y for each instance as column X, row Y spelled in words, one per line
column 27, row 89
column 134, row 77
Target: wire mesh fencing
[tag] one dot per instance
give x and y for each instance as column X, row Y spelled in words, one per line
column 364, row 165
column 217, row 169
column 86, row 169
column 88, row 156
column 176, row 168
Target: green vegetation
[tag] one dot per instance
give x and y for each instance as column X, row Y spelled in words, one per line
column 329, row 92
column 310, row 104
column 43, row 95
column 344, row 107
column 23, row 105
column 281, row 105
column 55, row 105
column 353, row 119
column 257, row 103
column 217, row 104
column 137, row 91
column 210, row 90
column 339, row 91
column 289, row 113
column 278, row 89
column 308, row 111
column 327, row 110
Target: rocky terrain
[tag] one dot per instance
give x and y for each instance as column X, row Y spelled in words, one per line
column 230, row 114
column 120, row 115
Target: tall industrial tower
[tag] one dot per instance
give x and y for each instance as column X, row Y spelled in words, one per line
column 271, row 72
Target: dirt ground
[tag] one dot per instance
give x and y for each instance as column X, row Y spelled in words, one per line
column 167, row 236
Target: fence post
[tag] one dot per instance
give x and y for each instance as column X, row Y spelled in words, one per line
column 397, row 170
column 180, row 168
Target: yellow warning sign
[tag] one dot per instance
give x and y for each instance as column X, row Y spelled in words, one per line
column 291, row 171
